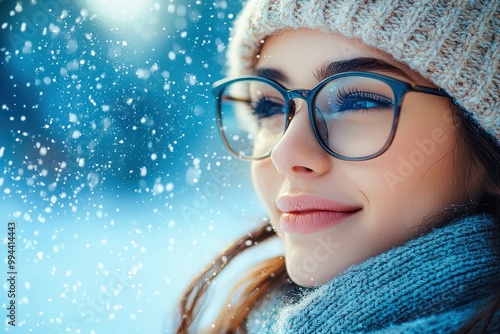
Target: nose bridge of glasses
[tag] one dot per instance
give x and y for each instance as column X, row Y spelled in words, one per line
column 299, row 94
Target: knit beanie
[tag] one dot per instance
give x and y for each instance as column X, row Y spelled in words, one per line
column 453, row 43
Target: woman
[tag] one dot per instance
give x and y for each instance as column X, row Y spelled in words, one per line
column 373, row 131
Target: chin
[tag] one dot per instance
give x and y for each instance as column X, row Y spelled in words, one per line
column 300, row 274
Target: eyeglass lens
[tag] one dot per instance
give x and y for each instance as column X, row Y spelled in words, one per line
column 353, row 116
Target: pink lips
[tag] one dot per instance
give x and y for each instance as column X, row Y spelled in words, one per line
column 302, row 214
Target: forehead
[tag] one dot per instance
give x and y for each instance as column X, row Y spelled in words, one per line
column 313, row 42
column 299, row 53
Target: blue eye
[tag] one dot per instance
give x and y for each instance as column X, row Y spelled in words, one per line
column 265, row 108
column 357, row 101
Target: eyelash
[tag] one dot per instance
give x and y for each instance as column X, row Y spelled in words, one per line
column 344, row 94
column 256, row 104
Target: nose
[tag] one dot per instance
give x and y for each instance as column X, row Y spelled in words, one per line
column 298, row 153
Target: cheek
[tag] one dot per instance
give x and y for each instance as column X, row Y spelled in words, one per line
column 418, row 175
column 266, row 181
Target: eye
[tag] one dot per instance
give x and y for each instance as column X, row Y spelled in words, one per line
column 355, row 100
column 266, row 107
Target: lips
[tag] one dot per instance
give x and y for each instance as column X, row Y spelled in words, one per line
column 303, row 214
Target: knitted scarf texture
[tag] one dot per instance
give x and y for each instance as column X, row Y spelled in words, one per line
column 431, row 284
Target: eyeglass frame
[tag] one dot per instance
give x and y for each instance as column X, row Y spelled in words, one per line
column 399, row 88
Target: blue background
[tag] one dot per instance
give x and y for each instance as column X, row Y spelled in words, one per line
column 110, row 162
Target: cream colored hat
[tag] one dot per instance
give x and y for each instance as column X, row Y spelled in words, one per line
column 453, row 43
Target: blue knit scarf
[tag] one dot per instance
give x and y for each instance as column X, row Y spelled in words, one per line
column 431, row 284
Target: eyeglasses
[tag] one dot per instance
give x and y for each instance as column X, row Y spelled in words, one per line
column 354, row 115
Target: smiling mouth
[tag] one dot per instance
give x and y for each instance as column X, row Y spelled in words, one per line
column 309, row 213
column 310, row 221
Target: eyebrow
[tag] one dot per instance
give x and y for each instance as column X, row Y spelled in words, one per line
column 365, row 64
column 271, row 73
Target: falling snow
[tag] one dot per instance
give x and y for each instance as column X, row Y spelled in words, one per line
column 112, row 167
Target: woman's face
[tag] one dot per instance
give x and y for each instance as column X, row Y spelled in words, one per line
column 332, row 213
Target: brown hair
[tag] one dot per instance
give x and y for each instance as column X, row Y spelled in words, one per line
column 266, row 277
column 271, row 274
column 486, row 150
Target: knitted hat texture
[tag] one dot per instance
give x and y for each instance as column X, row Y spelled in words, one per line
column 455, row 44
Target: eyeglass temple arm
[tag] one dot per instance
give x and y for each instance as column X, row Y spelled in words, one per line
column 430, row 90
